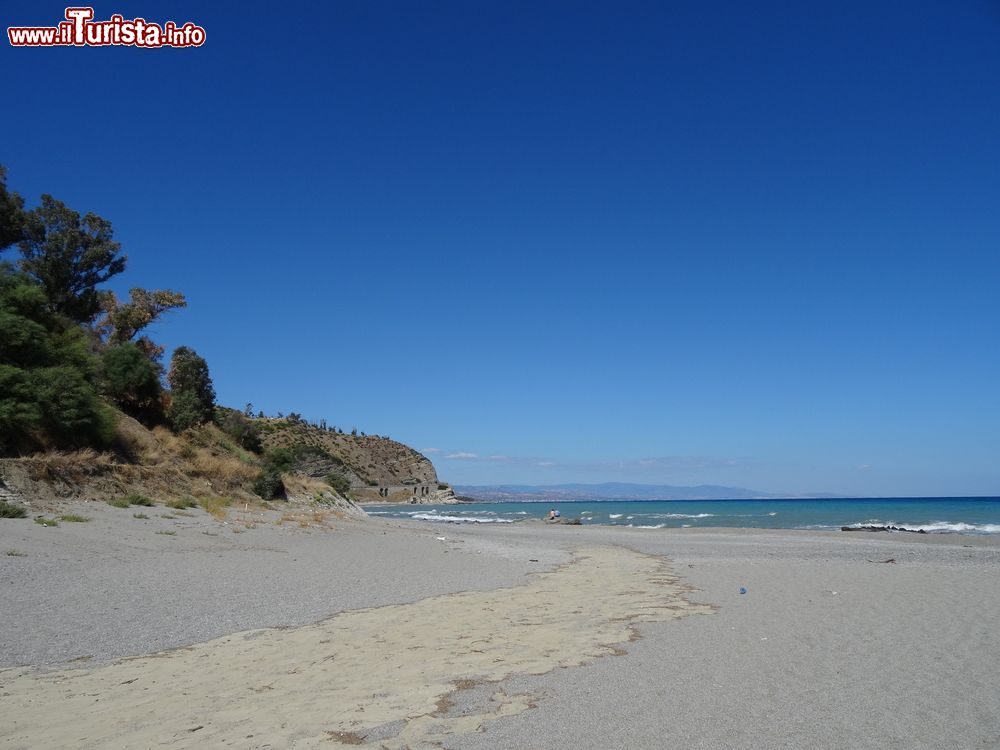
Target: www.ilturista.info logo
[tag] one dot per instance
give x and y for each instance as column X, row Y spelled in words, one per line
column 80, row 30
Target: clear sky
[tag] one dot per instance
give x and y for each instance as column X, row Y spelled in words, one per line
column 737, row 243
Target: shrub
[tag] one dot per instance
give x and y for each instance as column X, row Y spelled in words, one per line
column 338, row 482
column 132, row 381
column 43, row 521
column 73, row 518
column 237, row 426
column 135, row 498
column 119, row 502
column 269, row 485
column 140, row 516
column 10, row 510
column 182, row 503
column 442, row 486
column 280, row 459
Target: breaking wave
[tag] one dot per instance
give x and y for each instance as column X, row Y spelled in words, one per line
column 935, row 527
column 457, row 519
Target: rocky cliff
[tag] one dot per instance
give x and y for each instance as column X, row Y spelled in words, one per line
column 366, row 460
column 379, row 469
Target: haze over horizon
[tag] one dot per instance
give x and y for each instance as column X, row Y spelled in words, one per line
column 752, row 246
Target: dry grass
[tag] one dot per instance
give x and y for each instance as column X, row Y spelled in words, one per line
column 305, row 519
column 182, row 503
column 298, row 485
column 246, row 514
column 224, row 472
column 216, row 506
column 167, row 446
column 347, row 738
column 73, row 466
column 136, row 441
column 207, row 453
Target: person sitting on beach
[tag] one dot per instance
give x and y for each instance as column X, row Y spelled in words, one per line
column 553, row 514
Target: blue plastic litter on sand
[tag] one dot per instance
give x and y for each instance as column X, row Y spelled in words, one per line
column 743, row 589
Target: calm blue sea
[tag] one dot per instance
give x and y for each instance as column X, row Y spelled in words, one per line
column 962, row 515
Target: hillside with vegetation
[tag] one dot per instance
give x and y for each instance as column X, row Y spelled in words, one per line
column 366, row 460
column 88, row 409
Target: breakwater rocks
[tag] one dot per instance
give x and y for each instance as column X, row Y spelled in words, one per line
column 877, row 527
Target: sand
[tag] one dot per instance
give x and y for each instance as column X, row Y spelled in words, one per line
column 400, row 634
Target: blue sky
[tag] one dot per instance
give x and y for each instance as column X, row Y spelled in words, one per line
column 748, row 244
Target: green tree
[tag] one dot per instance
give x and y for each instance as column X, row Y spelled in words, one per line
column 192, row 399
column 132, row 381
column 122, row 321
column 47, row 375
column 11, row 213
column 69, row 256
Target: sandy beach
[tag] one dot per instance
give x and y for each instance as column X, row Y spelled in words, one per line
column 318, row 632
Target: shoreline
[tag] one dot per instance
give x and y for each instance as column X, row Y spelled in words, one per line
column 822, row 612
column 979, row 517
column 987, row 539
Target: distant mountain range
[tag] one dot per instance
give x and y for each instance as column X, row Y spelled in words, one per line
column 616, row 491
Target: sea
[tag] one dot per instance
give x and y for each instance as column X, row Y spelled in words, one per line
column 962, row 515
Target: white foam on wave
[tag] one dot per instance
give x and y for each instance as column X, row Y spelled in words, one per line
column 682, row 515
column 457, row 519
column 615, row 515
column 639, row 526
column 940, row 527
